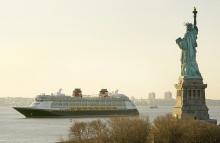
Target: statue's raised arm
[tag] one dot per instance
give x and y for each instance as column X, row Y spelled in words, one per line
column 195, row 20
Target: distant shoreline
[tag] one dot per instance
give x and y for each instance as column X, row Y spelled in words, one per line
column 22, row 101
column 170, row 102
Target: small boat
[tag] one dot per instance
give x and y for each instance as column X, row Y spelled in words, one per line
column 153, row 107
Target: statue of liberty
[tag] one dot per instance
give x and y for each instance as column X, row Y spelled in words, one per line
column 188, row 44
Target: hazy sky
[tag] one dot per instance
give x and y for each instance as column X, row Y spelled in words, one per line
column 92, row 44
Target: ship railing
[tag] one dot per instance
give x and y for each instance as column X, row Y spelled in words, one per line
column 93, row 108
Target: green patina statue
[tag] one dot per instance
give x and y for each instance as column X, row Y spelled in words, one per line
column 188, row 44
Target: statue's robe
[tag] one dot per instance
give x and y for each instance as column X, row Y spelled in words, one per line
column 189, row 66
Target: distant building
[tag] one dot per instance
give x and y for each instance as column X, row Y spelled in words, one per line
column 132, row 98
column 151, row 95
column 168, row 95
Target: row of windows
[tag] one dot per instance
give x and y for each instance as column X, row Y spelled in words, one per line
column 92, row 102
column 78, row 100
column 194, row 93
column 57, row 104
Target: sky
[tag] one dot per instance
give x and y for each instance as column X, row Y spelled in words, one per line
column 127, row 45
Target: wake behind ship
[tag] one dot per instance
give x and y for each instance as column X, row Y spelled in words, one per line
column 77, row 105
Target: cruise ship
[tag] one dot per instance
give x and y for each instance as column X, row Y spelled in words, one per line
column 105, row 104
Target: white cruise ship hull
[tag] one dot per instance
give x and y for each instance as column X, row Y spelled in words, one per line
column 50, row 113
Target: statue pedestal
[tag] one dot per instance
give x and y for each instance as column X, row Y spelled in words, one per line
column 190, row 100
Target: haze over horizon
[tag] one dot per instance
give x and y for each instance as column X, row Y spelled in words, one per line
column 119, row 44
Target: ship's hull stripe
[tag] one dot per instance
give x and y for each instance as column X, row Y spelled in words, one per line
column 44, row 113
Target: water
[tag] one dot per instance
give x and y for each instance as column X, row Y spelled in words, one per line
column 14, row 128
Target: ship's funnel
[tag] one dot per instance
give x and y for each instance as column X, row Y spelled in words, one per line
column 103, row 93
column 77, row 92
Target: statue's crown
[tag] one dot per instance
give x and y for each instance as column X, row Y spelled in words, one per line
column 188, row 24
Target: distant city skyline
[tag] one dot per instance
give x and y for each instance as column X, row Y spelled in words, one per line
column 119, row 44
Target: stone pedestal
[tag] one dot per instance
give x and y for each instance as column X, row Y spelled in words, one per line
column 190, row 99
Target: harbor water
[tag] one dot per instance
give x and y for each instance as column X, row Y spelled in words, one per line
column 15, row 128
